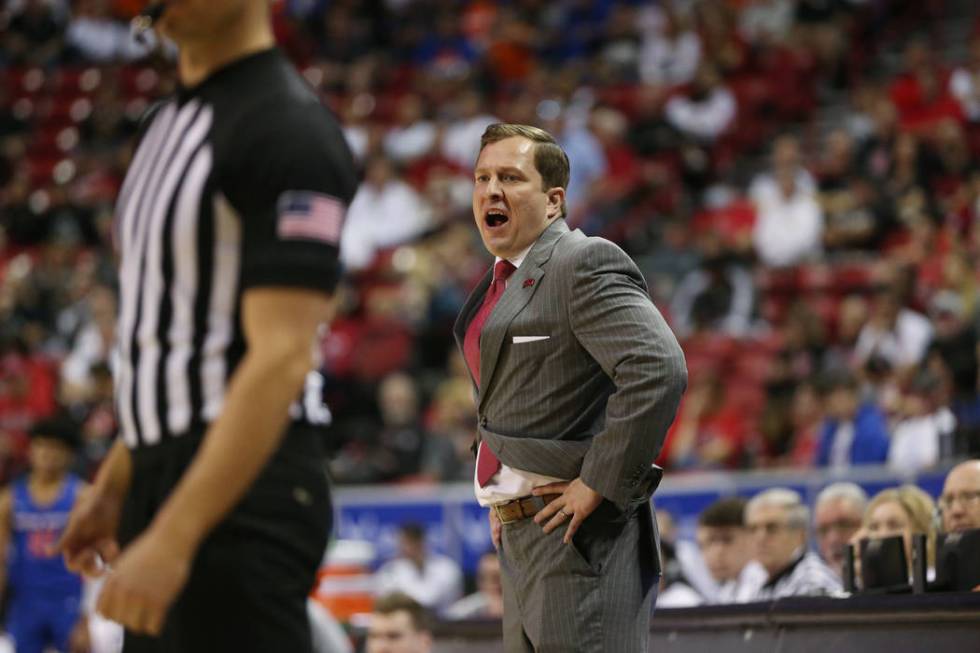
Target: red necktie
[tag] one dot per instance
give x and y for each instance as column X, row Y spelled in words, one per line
column 487, row 463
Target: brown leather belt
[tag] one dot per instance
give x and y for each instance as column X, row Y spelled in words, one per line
column 522, row 508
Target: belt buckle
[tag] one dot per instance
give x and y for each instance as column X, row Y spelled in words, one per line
column 497, row 509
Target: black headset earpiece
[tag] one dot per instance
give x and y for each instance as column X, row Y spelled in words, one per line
column 145, row 20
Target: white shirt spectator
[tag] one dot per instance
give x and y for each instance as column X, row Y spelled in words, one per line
column 666, row 61
column 788, row 230
column 474, row 606
column 461, row 142
column 679, row 595
column 741, row 590
column 840, row 449
column 405, row 144
column 327, row 634
column 915, row 444
column 379, row 218
column 965, row 86
column 357, row 140
column 103, row 40
column 90, row 349
column 437, row 585
column 766, row 21
column 807, row 576
column 705, row 119
column 902, row 346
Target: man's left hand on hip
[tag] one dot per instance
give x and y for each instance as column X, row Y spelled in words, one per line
column 577, row 501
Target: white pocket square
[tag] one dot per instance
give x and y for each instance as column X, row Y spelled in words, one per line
column 520, row 339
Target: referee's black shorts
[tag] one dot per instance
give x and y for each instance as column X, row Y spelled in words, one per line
column 249, row 582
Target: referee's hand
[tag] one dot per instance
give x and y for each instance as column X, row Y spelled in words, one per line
column 89, row 540
column 144, row 582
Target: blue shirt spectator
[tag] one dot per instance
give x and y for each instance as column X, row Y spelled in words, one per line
column 860, row 441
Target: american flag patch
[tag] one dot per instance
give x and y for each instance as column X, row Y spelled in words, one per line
column 305, row 215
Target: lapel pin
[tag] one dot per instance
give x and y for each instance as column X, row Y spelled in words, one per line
column 528, row 283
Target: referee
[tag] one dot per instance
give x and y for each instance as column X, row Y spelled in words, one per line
column 212, row 507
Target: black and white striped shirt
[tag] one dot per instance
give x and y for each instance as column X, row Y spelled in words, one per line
column 239, row 182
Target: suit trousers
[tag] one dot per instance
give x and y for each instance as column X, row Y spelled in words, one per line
column 593, row 595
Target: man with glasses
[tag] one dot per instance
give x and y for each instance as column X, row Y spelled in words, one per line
column 777, row 520
column 837, row 516
column 960, row 500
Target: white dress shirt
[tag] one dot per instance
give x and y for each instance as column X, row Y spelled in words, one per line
column 510, row 483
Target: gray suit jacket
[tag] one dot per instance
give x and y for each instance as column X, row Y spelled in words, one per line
column 595, row 398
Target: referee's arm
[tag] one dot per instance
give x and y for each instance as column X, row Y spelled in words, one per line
column 280, row 326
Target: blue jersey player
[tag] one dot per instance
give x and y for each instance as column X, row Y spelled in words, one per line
column 44, row 607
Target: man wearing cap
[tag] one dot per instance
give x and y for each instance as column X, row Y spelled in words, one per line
column 577, row 378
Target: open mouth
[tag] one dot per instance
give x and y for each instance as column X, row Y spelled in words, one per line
column 495, row 219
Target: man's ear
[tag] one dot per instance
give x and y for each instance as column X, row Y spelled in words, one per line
column 556, row 200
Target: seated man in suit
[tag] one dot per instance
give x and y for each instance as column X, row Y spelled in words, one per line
column 577, row 378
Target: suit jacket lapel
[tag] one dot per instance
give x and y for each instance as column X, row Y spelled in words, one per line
column 514, row 299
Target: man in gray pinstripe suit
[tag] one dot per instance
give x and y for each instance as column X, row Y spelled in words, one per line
column 577, row 379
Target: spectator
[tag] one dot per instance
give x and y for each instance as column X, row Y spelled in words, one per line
column 805, row 419
column 960, row 501
column 924, row 432
column 452, row 427
column 402, row 438
column 766, row 22
column 676, row 589
column 846, row 198
column 432, row 579
column 33, row 35
column 965, row 83
column 837, row 516
column 921, row 94
column 461, row 142
column 777, row 520
column 582, row 146
column 853, row 432
column 789, row 222
column 709, row 432
column 412, row 136
column 92, row 345
column 488, row 600
column 953, row 353
column 671, row 53
column 719, row 296
column 385, row 212
column 706, row 111
column 327, row 634
column 390, row 448
column 905, row 511
column 399, row 624
column 726, row 547
column 899, row 335
column 96, row 36
column 852, row 315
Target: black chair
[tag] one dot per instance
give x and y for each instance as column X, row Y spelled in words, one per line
column 884, row 567
column 957, row 561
